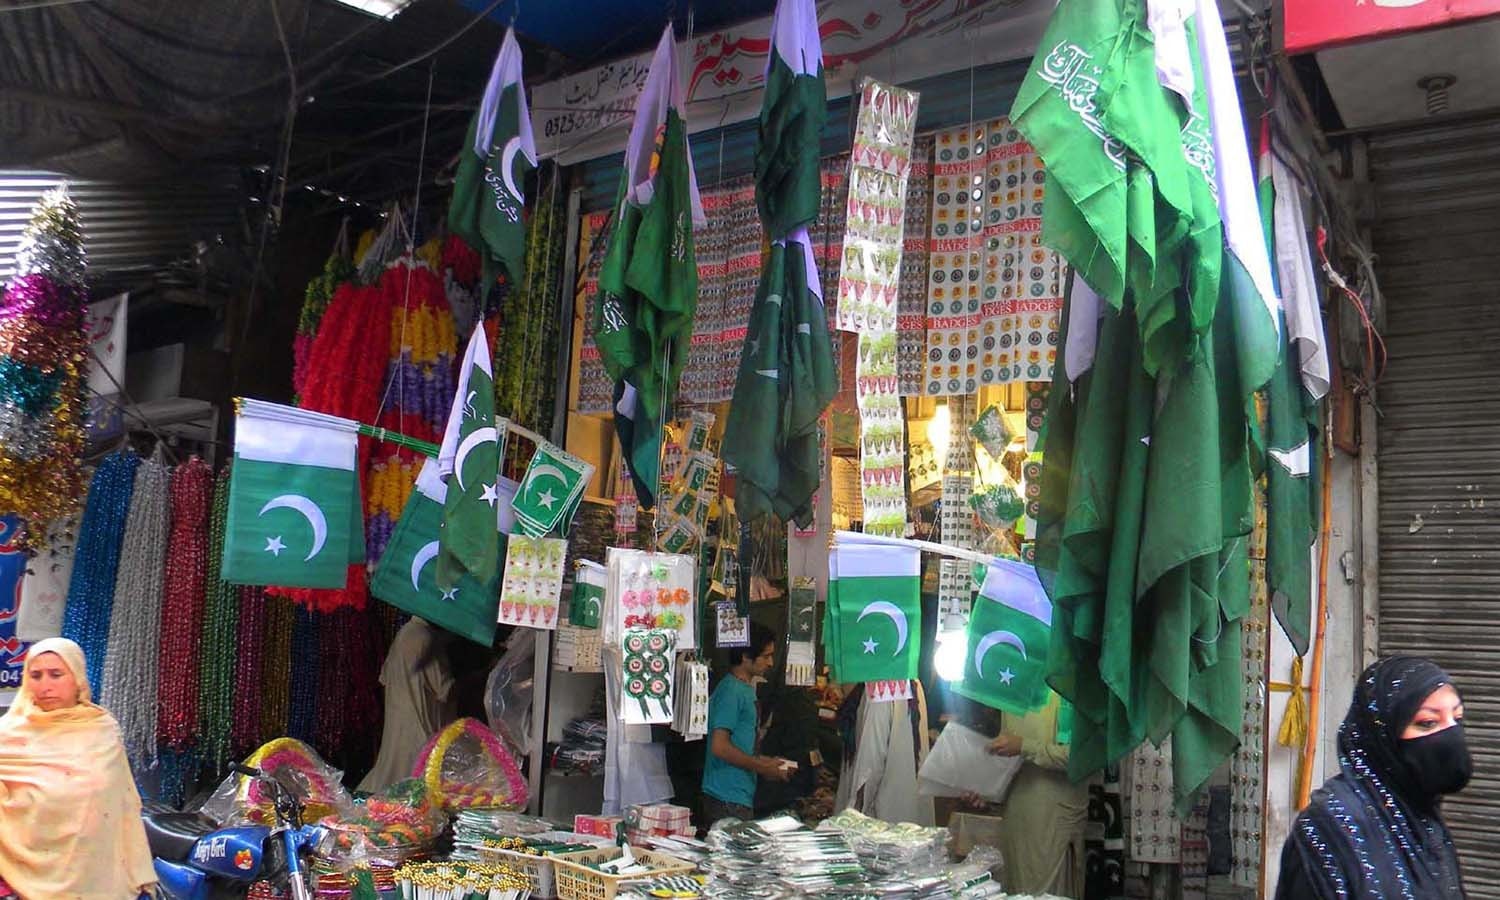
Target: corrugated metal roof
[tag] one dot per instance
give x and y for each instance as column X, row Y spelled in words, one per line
column 126, row 226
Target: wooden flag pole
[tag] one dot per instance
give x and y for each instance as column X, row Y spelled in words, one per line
column 1315, row 691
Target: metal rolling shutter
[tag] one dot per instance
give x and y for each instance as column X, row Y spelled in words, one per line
column 1438, row 246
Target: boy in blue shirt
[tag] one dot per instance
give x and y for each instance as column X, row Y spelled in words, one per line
column 731, row 768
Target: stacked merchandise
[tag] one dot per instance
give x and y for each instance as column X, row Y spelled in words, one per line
column 476, row 829
column 658, row 820
column 598, row 826
column 890, row 849
column 582, row 746
column 780, row 858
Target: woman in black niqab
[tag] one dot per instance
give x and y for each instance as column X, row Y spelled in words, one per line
column 1374, row 831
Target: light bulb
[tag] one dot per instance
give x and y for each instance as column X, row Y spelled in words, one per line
column 937, row 434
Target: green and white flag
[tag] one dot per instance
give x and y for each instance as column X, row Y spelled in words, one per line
column 875, row 609
column 551, row 490
column 786, row 376
column 469, row 461
column 407, row 575
column 294, row 505
column 588, row 595
column 648, row 283
column 497, row 154
column 1009, row 633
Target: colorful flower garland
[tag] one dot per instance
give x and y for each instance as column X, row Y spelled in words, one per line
column 337, row 270
column 472, row 789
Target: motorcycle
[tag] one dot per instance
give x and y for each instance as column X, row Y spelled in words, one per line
column 196, row 859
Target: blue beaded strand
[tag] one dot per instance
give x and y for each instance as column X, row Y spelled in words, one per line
column 91, row 590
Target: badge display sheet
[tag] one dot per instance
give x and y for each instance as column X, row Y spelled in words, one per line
column 690, row 716
column 879, row 166
column 995, row 293
column 595, row 390
column 649, row 661
column 530, row 593
column 653, row 591
column 911, row 305
column 730, row 629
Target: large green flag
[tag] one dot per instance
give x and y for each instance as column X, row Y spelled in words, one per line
column 786, row 376
column 295, row 517
column 407, row 576
column 497, row 154
column 470, row 462
column 1009, row 634
column 1057, row 109
column 1293, row 420
column 648, row 284
column 876, row 611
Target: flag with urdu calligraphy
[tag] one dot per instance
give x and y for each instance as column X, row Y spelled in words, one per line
column 648, row 284
column 497, row 155
column 1293, row 421
column 786, row 376
column 1142, row 538
column 295, row 517
column 407, row 575
column 1010, row 629
column 469, row 461
column 873, row 621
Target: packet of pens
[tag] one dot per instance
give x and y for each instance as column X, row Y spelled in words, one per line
column 461, row 881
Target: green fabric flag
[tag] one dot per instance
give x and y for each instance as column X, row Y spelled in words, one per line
column 1009, row 635
column 550, row 491
column 469, row 461
column 876, row 632
column 786, row 376
column 407, row 578
column 648, row 284
column 497, row 154
column 1057, row 109
column 588, row 595
column 295, row 517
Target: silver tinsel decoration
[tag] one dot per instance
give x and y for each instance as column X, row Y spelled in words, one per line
column 130, row 669
column 25, row 437
column 52, row 244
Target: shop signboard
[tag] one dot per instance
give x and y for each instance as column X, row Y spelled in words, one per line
column 1316, row 24
column 587, row 115
column 12, row 651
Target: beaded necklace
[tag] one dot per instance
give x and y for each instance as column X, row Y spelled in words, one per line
column 249, row 666
column 276, row 680
column 182, row 607
column 91, row 590
column 221, row 614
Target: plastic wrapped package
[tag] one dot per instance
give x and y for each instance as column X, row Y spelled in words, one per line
column 508, row 692
column 886, row 848
column 468, row 766
column 960, row 763
column 240, row 800
column 387, row 829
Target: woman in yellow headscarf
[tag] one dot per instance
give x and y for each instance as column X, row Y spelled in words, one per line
column 70, row 816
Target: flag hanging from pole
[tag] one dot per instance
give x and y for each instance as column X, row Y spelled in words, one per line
column 786, row 376
column 469, row 461
column 648, row 284
column 875, row 612
column 497, row 155
column 295, row 517
column 1010, row 630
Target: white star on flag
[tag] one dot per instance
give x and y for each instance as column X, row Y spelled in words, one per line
column 1007, row 676
column 489, row 495
column 870, row 645
column 546, row 498
column 450, row 594
column 274, row 546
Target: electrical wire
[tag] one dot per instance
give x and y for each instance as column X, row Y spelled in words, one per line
column 41, row 4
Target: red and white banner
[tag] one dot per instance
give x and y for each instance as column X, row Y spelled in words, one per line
column 1317, row 24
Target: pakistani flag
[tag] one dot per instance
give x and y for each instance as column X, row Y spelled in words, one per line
column 1009, row 634
column 648, row 285
column 294, row 506
column 1293, row 420
column 497, row 154
column 875, row 611
column 469, row 461
column 407, row 575
column 588, row 595
column 786, row 377
column 550, row 491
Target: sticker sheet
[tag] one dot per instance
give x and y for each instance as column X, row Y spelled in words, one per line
column 532, row 586
column 652, row 591
column 882, row 436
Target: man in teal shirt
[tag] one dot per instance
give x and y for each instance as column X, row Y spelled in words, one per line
column 731, row 768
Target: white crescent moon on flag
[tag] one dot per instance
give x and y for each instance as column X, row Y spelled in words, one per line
column 309, row 511
column 420, row 559
column 476, row 437
column 507, row 167
column 894, row 613
column 1008, row 638
column 546, row 469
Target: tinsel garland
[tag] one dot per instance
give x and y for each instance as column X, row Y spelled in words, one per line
column 44, row 369
column 337, row 270
column 276, row 670
column 131, row 666
column 182, row 607
column 306, row 672
column 525, row 350
column 249, row 664
column 91, row 590
column 221, row 611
